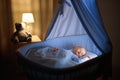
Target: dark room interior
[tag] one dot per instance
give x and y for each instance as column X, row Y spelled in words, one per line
column 9, row 14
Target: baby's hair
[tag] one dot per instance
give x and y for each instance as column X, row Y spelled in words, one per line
column 76, row 47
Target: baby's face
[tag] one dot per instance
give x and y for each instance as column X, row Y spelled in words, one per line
column 79, row 51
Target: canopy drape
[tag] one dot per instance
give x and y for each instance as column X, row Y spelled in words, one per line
column 88, row 13
column 80, row 17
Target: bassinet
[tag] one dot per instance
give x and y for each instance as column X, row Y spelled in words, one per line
column 73, row 25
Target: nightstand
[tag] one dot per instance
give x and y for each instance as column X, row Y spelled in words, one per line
column 35, row 38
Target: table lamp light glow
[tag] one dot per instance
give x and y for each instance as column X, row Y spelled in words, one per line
column 27, row 18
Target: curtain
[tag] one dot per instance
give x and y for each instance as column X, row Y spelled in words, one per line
column 88, row 13
column 84, row 13
column 46, row 13
column 42, row 12
column 5, row 27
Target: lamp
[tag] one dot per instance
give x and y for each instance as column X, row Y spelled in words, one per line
column 27, row 18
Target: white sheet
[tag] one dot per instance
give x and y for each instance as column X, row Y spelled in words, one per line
column 61, row 59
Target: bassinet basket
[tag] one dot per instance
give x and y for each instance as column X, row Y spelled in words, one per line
column 77, row 22
column 88, row 70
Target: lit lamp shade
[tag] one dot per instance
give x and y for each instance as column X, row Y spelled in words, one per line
column 27, row 18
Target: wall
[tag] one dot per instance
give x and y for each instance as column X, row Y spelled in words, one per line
column 110, row 12
column 42, row 11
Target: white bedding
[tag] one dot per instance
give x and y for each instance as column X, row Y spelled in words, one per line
column 61, row 59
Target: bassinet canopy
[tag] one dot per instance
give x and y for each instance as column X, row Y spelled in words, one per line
column 80, row 17
column 76, row 22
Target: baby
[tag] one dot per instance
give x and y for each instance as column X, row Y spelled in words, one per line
column 77, row 50
column 59, row 57
column 80, row 51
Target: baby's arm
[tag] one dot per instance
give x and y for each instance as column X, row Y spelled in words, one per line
column 88, row 57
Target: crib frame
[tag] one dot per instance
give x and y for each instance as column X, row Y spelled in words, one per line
column 88, row 70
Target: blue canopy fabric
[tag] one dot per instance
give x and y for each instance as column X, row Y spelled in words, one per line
column 87, row 11
column 78, row 17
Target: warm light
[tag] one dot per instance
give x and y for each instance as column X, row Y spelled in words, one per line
column 27, row 18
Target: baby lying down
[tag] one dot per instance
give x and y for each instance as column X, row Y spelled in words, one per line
column 59, row 58
column 77, row 53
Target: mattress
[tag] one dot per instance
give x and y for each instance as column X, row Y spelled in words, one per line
column 62, row 59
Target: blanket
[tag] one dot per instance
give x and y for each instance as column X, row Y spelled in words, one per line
column 61, row 59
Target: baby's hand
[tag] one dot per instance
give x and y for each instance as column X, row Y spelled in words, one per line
column 55, row 49
column 88, row 57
